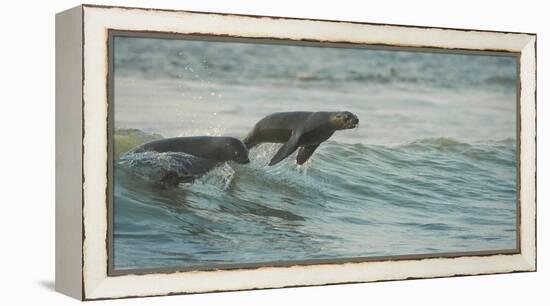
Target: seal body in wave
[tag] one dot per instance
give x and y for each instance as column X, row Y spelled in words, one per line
column 303, row 130
column 183, row 159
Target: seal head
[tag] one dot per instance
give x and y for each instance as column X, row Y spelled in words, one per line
column 344, row 120
column 235, row 150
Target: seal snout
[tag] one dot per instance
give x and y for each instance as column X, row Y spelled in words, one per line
column 351, row 120
column 241, row 157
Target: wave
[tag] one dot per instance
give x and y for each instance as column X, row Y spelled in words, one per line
column 413, row 174
column 500, row 80
column 235, row 63
column 344, row 194
column 392, row 76
column 333, row 159
column 389, row 77
column 445, row 143
column 127, row 139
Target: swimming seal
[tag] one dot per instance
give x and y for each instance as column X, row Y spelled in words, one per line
column 200, row 155
column 304, row 130
column 216, row 149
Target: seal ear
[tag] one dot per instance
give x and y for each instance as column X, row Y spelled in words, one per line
column 288, row 148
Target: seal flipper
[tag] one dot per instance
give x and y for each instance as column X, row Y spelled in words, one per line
column 288, row 148
column 305, row 153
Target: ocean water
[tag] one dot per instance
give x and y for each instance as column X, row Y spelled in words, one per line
column 431, row 168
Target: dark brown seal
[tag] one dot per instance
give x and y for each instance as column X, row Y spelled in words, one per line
column 202, row 153
column 304, row 130
column 216, row 149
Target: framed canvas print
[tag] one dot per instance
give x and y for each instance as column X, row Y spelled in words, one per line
column 201, row 152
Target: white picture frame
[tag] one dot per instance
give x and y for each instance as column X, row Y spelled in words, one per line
column 82, row 155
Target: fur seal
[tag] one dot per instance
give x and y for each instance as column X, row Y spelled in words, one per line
column 216, row 149
column 304, row 130
column 200, row 155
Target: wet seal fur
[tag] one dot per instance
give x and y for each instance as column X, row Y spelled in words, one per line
column 304, row 130
column 208, row 151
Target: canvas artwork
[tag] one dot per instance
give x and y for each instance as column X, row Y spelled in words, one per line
column 234, row 153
